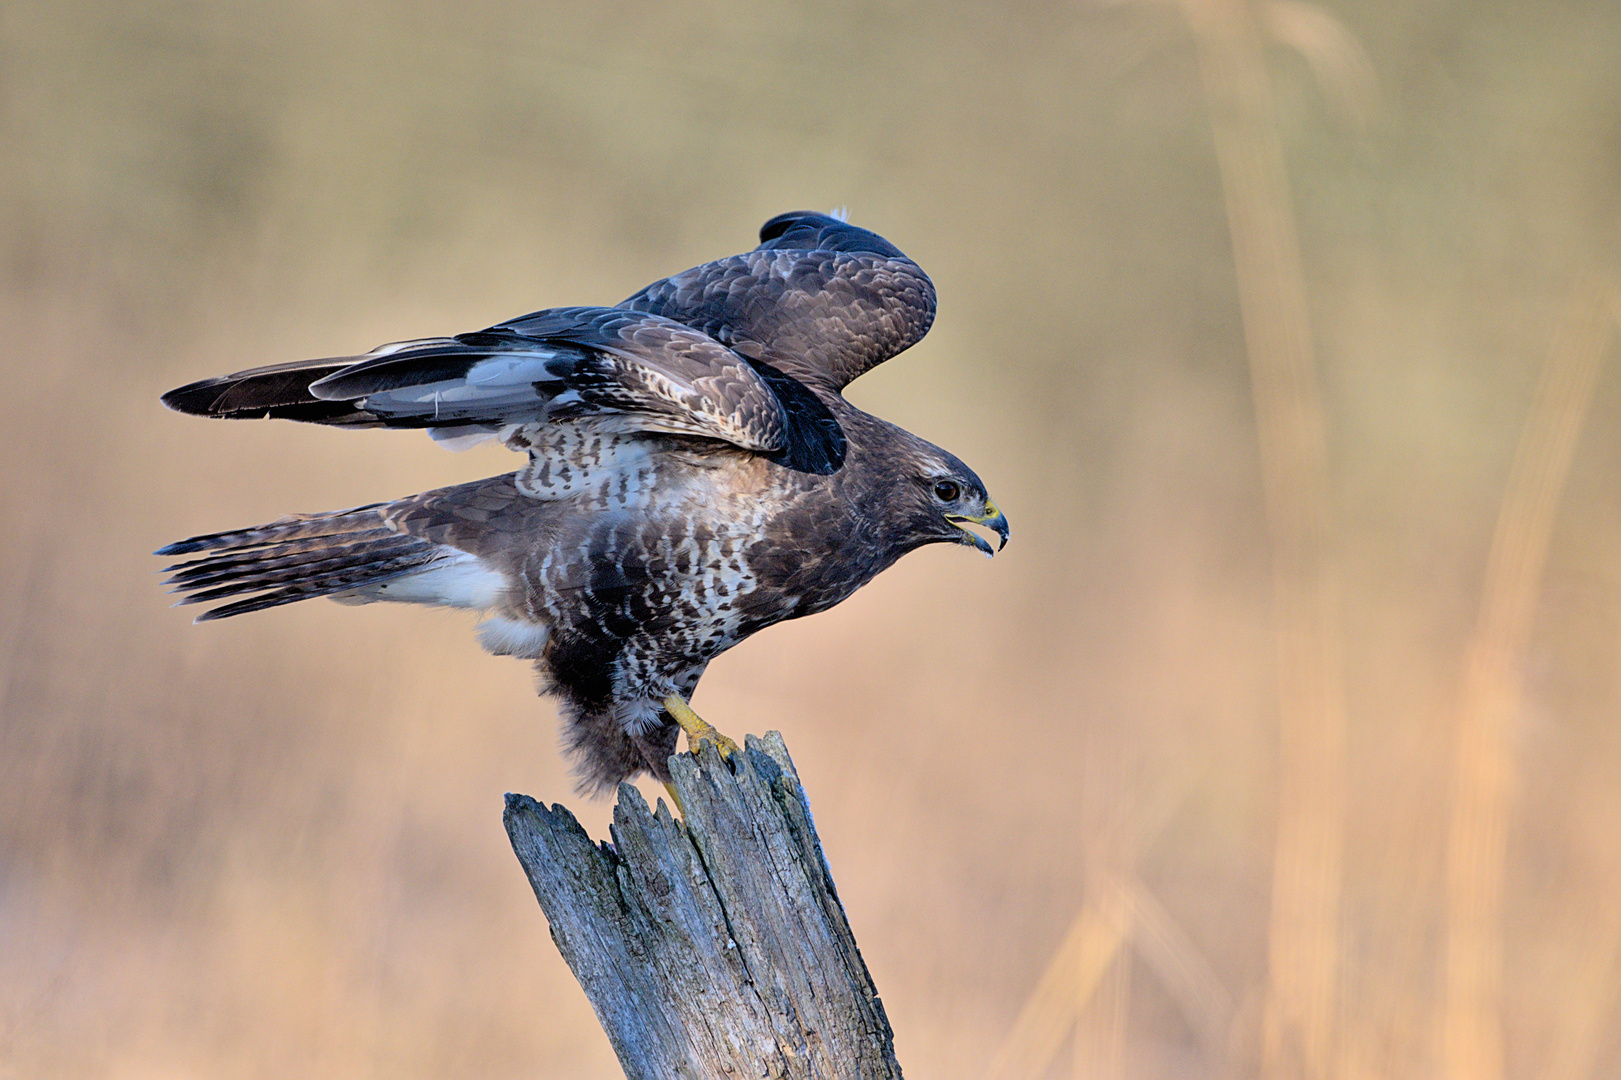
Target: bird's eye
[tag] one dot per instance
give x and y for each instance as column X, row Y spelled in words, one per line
column 947, row 490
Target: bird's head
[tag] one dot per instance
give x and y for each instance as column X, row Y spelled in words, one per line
column 944, row 497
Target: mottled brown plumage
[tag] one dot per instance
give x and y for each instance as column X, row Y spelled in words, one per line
column 693, row 476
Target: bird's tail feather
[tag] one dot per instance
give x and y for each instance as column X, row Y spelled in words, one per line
column 294, row 559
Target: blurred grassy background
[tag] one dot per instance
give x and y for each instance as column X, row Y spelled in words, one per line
column 273, row 847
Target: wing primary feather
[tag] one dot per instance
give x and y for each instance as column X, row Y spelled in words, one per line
column 818, row 302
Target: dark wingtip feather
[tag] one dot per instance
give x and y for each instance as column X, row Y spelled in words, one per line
column 804, row 230
column 440, row 362
column 281, row 390
column 195, row 398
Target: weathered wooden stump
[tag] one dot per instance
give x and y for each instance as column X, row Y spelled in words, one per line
column 715, row 947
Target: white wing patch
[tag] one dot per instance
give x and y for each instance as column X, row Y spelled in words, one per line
column 462, row 436
column 457, row 579
column 511, row 384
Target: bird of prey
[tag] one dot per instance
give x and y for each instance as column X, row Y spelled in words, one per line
column 694, row 475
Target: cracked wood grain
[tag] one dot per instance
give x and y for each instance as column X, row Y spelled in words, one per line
column 716, row 947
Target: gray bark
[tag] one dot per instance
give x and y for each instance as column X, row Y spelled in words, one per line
column 717, row 947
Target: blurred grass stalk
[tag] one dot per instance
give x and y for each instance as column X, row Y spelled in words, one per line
column 1489, row 699
column 1086, row 988
column 1094, row 944
column 1300, row 1012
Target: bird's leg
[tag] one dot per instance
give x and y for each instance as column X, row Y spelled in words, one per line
column 697, row 728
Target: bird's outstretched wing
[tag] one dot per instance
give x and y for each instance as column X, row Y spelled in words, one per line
column 819, row 299
column 724, row 351
column 640, row 371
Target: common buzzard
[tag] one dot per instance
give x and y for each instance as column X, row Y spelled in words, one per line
column 694, row 475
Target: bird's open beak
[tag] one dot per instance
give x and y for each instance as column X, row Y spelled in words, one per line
column 992, row 519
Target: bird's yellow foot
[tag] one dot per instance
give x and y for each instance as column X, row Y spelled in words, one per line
column 697, row 728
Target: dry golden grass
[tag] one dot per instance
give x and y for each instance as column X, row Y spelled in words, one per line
column 1303, row 948
column 273, row 846
column 1490, row 699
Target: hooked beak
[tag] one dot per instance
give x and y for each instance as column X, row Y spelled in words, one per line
column 992, row 519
